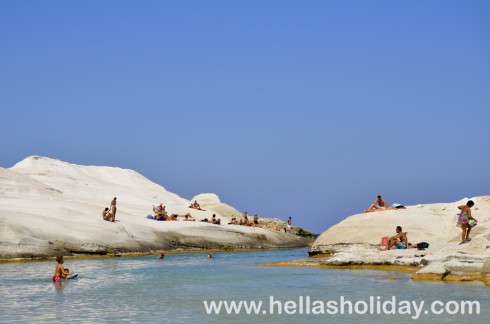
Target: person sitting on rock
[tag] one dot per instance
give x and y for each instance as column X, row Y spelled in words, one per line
column 106, row 214
column 160, row 212
column 188, row 218
column 215, row 220
column 256, row 220
column 246, row 222
column 195, row 205
column 379, row 205
column 398, row 241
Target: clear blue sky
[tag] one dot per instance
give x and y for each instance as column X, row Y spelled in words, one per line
column 306, row 109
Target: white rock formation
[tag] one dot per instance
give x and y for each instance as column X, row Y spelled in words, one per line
column 355, row 239
column 49, row 207
column 212, row 201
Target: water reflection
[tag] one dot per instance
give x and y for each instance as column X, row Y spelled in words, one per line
column 59, row 286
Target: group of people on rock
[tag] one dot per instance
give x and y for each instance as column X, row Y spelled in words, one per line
column 213, row 220
column 464, row 219
column 254, row 222
column 160, row 214
column 109, row 213
column 245, row 221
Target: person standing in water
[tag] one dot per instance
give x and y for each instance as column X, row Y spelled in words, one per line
column 60, row 271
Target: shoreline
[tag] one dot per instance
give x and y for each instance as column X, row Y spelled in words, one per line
column 50, row 208
column 79, row 256
column 131, row 239
column 449, row 277
column 305, row 263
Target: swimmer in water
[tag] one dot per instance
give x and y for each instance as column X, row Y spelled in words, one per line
column 61, row 272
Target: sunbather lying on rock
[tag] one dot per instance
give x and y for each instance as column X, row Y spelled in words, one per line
column 380, row 205
column 419, row 246
column 398, row 241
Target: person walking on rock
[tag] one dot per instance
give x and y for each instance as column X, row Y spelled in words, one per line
column 464, row 221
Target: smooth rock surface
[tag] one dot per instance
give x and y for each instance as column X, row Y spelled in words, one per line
column 50, row 207
column 355, row 240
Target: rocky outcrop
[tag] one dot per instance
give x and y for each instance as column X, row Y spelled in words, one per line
column 355, row 240
column 50, row 207
column 212, row 201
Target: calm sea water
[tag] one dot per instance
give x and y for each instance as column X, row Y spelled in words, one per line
column 173, row 290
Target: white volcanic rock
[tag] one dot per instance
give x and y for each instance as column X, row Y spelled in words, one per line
column 433, row 224
column 436, row 269
column 212, row 201
column 49, row 207
column 355, row 239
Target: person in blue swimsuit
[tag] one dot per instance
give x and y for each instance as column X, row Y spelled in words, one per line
column 398, row 241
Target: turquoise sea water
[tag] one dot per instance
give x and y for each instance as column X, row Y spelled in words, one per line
column 173, row 290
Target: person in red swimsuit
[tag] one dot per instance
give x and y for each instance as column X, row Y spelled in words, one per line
column 60, row 271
